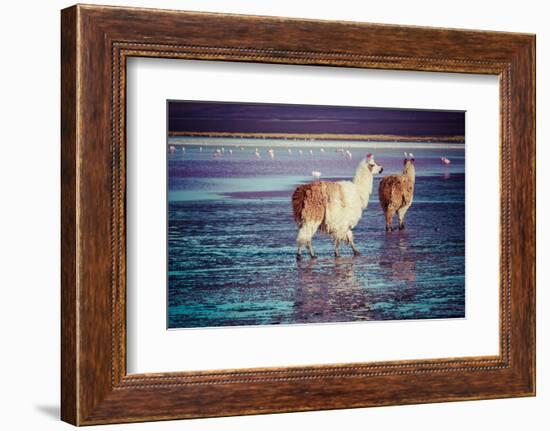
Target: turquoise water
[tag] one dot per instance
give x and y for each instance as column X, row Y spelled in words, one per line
column 231, row 241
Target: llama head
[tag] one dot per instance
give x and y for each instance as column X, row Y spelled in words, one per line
column 372, row 166
column 408, row 164
column 364, row 175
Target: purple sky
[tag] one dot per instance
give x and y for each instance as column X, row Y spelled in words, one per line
column 279, row 118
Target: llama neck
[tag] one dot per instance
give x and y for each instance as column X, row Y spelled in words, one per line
column 410, row 173
column 363, row 181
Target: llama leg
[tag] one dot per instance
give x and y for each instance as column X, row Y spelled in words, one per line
column 310, row 249
column 401, row 216
column 302, row 240
column 390, row 211
column 336, row 247
column 306, row 232
column 299, row 252
column 351, row 243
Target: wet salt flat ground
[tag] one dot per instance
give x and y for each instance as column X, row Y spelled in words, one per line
column 231, row 242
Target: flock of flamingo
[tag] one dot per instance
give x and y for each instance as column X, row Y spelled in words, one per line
column 218, row 152
column 345, row 153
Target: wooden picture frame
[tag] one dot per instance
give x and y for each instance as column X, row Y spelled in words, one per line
column 95, row 43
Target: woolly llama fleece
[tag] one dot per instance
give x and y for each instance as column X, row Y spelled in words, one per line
column 334, row 208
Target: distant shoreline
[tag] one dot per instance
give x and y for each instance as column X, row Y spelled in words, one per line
column 321, row 137
column 209, row 141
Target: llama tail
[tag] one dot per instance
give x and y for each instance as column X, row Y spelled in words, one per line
column 387, row 191
column 298, row 202
column 383, row 193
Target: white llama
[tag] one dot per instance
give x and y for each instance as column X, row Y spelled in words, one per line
column 333, row 207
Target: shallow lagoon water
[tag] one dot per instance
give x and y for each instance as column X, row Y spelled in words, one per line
column 231, row 241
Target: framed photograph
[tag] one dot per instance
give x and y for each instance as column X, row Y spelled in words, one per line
column 246, row 182
column 285, row 220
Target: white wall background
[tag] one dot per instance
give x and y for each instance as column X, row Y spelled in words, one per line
column 29, row 224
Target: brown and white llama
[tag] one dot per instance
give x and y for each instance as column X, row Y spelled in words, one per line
column 395, row 193
column 333, row 207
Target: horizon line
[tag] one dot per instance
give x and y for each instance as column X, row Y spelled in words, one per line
column 456, row 139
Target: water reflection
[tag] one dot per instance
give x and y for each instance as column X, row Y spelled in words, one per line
column 326, row 285
column 397, row 257
column 231, row 245
column 350, row 288
column 399, row 260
